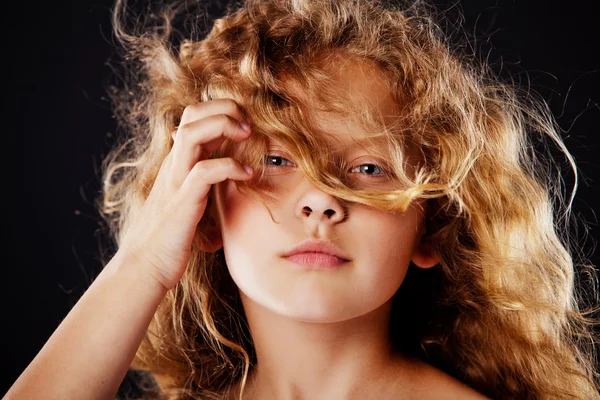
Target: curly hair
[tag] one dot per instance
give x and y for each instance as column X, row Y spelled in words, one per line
column 503, row 311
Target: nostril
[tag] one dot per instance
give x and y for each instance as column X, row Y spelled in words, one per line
column 306, row 211
column 329, row 213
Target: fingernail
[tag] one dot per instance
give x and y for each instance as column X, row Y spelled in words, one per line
column 248, row 170
column 245, row 126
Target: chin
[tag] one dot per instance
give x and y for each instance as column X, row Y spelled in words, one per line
column 309, row 306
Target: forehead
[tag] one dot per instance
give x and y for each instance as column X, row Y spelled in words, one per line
column 362, row 85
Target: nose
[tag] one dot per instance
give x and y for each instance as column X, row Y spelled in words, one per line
column 320, row 207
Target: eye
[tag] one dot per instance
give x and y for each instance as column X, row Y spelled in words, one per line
column 273, row 160
column 369, row 169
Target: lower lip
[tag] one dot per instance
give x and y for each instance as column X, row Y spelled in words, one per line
column 317, row 260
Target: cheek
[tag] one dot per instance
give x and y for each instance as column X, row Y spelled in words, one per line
column 234, row 220
column 228, row 204
column 246, row 228
column 387, row 243
column 236, row 212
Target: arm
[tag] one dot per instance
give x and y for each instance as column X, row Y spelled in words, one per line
column 88, row 355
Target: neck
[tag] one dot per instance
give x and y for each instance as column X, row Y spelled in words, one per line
column 309, row 360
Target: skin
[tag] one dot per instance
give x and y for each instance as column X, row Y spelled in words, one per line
column 323, row 334
column 318, row 334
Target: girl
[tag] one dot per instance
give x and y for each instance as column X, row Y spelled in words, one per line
column 323, row 200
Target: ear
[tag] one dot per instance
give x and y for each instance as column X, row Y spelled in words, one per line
column 210, row 227
column 424, row 255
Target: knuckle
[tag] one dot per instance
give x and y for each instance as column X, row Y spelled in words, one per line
column 199, row 169
column 193, row 107
column 185, row 113
column 184, row 131
column 190, row 109
column 232, row 106
column 231, row 163
column 224, row 121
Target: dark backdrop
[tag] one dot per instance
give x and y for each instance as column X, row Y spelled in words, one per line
column 57, row 125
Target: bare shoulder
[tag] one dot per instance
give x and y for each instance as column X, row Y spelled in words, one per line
column 436, row 384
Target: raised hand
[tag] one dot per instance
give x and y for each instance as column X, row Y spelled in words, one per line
column 162, row 234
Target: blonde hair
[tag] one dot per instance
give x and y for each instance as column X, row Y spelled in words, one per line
column 501, row 312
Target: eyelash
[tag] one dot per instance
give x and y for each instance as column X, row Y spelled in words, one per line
column 382, row 170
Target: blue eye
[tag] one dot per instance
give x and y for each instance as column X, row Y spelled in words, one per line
column 369, row 169
column 277, row 161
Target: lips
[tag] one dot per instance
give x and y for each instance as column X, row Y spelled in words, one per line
column 317, row 253
column 318, row 260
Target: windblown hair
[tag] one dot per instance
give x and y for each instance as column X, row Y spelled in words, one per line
column 502, row 312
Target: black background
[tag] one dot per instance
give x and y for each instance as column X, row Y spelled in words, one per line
column 57, row 125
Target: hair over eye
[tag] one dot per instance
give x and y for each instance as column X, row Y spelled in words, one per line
column 274, row 160
column 385, row 110
column 370, row 169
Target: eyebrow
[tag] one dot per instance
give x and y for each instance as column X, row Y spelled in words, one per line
column 364, row 142
column 375, row 147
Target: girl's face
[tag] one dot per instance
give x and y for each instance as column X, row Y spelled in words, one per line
column 378, row 244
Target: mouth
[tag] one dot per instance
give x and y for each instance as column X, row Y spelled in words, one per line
column 317, row 260
column 318, row 254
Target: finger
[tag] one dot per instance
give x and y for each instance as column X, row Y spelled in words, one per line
column 202, row 136
column 208, row 172
column 205, row 109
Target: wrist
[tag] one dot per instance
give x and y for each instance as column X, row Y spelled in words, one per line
column 128, row 266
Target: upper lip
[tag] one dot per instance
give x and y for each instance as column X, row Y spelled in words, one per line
column 317, row 246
